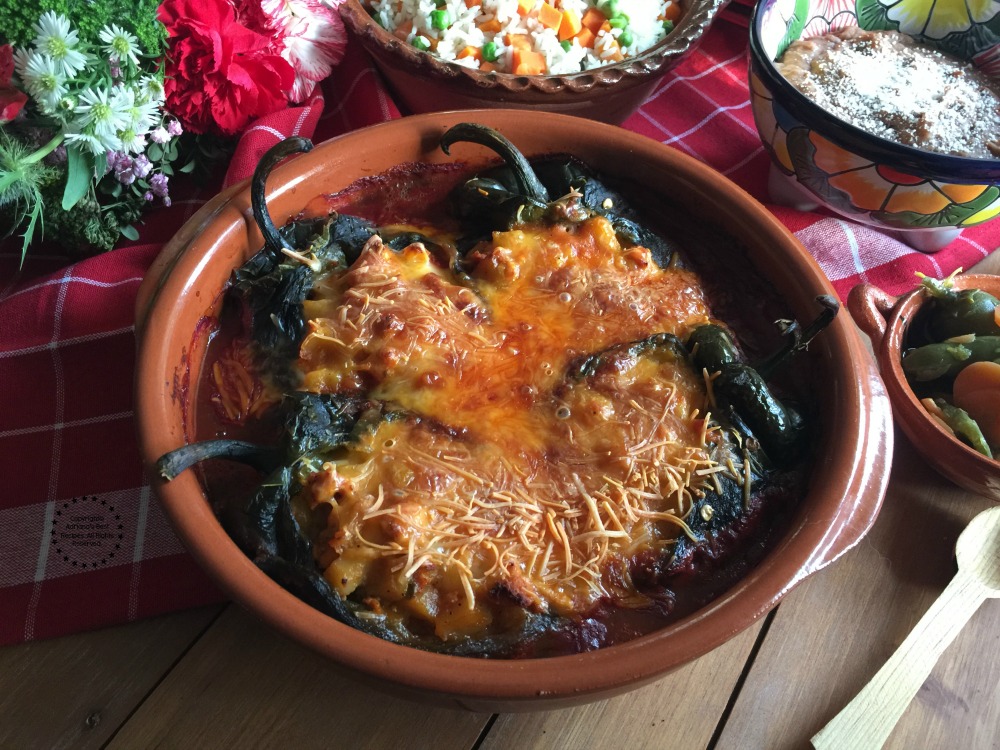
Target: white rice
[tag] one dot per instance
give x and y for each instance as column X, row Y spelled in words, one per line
column 645, row 25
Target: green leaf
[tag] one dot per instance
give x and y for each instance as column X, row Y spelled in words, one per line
column 130, row 232
column 79, row 173
column 189, row 167
column 154, row 152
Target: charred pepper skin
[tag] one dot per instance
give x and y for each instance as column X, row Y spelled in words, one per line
column 741, row 391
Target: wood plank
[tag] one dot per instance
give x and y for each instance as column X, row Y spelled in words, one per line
column 76, row 691
column 989, row 264
column 681, row 710
column 243, row 685
column 831, row 635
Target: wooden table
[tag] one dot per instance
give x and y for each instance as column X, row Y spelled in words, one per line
column 217, row 678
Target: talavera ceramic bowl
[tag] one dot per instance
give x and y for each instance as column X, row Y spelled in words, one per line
column 819, row 160
column 180, row 297
column 886, row 320
column 425, row 83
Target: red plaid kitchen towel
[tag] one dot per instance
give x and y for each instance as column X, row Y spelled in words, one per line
column 82, row 542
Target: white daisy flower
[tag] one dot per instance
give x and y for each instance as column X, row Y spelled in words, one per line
column 119, row 43
column 152, row 88
column 132, row 142
column 87, row 142
column 45, row 81
column 143, row 114
column 56, row 38
column 100, row 112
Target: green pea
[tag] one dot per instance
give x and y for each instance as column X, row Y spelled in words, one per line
column 440, row 19
column 668, row 26
column 609, row 8
column 625, row 39
column 490, row 52
column 618, row 22
column 420, row 43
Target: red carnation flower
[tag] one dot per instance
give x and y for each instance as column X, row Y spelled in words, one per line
column 11, row 99
column 220, row 74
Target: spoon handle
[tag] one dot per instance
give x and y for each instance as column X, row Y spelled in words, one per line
column 868, row 720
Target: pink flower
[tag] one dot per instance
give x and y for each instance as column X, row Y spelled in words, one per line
column 314, row 40
column 11, row 99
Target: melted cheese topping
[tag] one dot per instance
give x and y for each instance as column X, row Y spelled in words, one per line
column 511, row 485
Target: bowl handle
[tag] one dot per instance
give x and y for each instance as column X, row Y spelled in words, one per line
column 870, row 307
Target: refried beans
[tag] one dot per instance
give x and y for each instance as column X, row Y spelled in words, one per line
column 891, row 86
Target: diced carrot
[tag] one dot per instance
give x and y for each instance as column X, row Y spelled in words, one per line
column 570, row 25
column 592, row 19
column 524, row 7
column 470, row 51
column 490, row 27
column 473, row 3
column 605, row 27
column 586, row 37
column 488, row 67
column 518, row 41
column 527, row 62
column 549, row 17
column 672, row 12
column 403, row 30
column 977, row 390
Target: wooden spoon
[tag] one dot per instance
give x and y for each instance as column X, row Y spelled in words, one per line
column 867, row 721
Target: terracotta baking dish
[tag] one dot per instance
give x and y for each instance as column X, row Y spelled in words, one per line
column 846, row 486
column 885, row 319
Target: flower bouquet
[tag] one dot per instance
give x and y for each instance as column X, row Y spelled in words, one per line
column 103, row 102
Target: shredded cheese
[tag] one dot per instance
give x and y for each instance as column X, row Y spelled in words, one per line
column 510, row 480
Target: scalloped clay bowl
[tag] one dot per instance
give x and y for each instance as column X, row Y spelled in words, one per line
column 425, row 83
column 846, row 485
column 885, row 319
column 818, row 160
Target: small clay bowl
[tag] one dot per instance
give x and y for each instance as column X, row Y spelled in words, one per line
column 886, row 319
column 181, row 295
column 925, row 198
column 424, row 82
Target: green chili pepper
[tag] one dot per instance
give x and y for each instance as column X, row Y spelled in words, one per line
column 964, row 426
column 953, row 313
column 948, row 358
column 712, row 348
column 490, row 52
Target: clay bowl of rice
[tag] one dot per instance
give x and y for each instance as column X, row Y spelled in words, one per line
column 599, row 60
column 885, row 114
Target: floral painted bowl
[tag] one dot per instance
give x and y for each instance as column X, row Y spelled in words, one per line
column 819, row 160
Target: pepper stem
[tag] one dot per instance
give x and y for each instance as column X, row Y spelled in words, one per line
column 271, row 159
column 527, row 181
column 797, row 338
